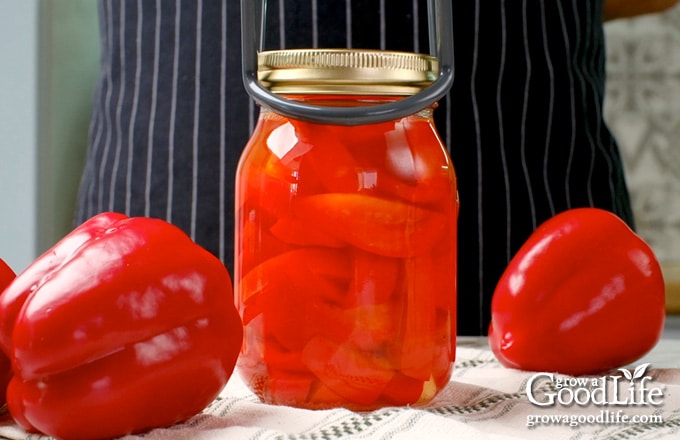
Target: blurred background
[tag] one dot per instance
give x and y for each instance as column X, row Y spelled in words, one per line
column 642, row 108
column 49, row 56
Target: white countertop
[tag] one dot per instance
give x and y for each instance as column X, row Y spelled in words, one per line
column 666, row 353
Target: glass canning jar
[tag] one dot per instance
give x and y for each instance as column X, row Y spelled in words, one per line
column 345, row 239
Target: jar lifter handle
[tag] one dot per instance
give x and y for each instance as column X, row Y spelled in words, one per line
column 441, row 45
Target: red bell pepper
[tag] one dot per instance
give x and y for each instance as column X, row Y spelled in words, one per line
column 123, row 326
column 12, row 300
column 583, row 295
column 6, row 277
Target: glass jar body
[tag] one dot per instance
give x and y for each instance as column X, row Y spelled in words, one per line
column 345, row 261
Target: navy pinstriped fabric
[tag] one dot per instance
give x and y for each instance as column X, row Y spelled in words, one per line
column 523, row 120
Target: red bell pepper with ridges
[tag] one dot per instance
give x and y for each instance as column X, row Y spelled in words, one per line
column 583, row 295
column 13, row 299
column 6, row 277
column 133, row 328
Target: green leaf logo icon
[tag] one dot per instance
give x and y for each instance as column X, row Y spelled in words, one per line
column 639, row 371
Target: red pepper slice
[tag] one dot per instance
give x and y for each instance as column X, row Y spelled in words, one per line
column 418, row 328
column 402, row 390
column 323, row 273
column 329, row 161
column 427, row 149
column 297, row 292
column 255, row 243
column 385, row 227
column 285, row 388
column 373, row 327
column 405, row 158
column 133, row 310
column 291, row 230
column 266, row 193
column 356, row 377
column 270, row 188
column 585, row 273
column 321, row 397
column 399, row 162
column 374, row 279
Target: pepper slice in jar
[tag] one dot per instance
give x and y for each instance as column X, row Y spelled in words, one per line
column 329, row 161
column 386, row 227
column 405, row 158
column 415, row 160
column 374, row 279
column 256, row 242
column 291, row 230
column 418, row 328
column 349, row 373
column 297, row 292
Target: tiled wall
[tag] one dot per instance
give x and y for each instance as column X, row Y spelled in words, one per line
column 642, row 108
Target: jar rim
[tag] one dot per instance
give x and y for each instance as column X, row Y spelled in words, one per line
column 346, row 71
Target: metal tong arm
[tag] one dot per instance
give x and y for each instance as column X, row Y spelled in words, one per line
column 441, row 46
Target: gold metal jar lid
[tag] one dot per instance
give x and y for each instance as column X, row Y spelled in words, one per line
column 346, row 71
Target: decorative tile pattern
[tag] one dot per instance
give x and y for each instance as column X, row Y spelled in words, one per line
column 642, row 108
